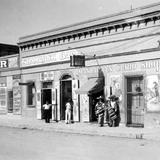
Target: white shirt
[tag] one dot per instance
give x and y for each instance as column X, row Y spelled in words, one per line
column 68, row 106
column 113, row 104
column 46, row 106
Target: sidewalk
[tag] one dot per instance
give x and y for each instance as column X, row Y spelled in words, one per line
column 81, row 128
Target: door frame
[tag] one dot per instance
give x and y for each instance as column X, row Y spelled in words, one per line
column 63, row 80
column 124, row 94
column 42, row 101
column 92, row 116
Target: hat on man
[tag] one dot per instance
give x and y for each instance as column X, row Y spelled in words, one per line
column 113, row 97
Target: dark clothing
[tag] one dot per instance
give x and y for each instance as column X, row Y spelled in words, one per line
column 47, row 115
column 47, row 112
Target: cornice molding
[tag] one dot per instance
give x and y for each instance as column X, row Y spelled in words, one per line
column 121, row 20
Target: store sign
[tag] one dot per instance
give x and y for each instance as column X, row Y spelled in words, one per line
column 9, row 63
column 47, row 76
column 16, row 96
column 4, row 64
column 48, row 58
column 150, row 65
column 77, row 61
column 85, row 108
column 153, row 92
column 13, row 62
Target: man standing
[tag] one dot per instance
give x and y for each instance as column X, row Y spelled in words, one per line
column 113, row 110
column 100, row 108
column 47, row 107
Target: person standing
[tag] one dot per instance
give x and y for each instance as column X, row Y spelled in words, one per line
column 47, row 107
column 113, row 110
column 100, row 108
column 117, row 111
column 68, row 111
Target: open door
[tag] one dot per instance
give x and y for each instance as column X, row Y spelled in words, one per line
column 66, row 93
column 92, row 105
column 46, row 96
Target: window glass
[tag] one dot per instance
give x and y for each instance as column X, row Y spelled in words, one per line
column 30, row 93
column 47, row 85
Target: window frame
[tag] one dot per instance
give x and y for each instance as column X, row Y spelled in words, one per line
column 30, row 94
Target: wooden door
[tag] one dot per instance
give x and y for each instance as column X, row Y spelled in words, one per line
column 135, row 101
column 75, row 99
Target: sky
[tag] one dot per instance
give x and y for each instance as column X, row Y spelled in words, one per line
column 19, row 18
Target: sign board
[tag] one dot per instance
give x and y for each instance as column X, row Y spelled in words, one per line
column 16, row 96
column 85, row 107
column 9, row 63
column 38, row 98
column 4, row 64
column 75, row 100
column 77, row 60
column 47, row 76
column 48, row 58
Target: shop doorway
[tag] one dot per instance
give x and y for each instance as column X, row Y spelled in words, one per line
column 92, row 103
column 46, row 96
column 66, row 93
column 135, row 101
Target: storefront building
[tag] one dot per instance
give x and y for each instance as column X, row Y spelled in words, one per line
column 10, row 91
column 121, row 57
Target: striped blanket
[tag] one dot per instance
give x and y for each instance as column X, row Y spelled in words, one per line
column 112, row 113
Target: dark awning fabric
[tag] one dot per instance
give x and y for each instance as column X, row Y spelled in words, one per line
column 93, row 85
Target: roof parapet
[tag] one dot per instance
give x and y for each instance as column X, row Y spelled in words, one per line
column 128, row 15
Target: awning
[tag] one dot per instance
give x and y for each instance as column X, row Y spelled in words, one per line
column 93, row 85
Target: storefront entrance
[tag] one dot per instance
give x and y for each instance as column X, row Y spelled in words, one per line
column 66, row 94
column 46, row 96
column 92, row 103
column 135, row 101
column 93, row 88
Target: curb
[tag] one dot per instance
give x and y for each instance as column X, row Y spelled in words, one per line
column 151, row 134
column 80, row 132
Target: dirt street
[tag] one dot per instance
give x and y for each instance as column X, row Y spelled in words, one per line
column 24, row 144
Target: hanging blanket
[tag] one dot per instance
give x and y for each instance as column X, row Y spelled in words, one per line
column 112, row 113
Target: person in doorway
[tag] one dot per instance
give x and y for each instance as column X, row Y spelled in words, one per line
column 100, row 108
column 113, row 110
column 47, row 107
column 68, row 111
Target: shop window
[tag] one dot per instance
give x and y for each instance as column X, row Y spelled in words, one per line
column 10, row 101
column 3, row 99
column 47, row 85
column 30, row 94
